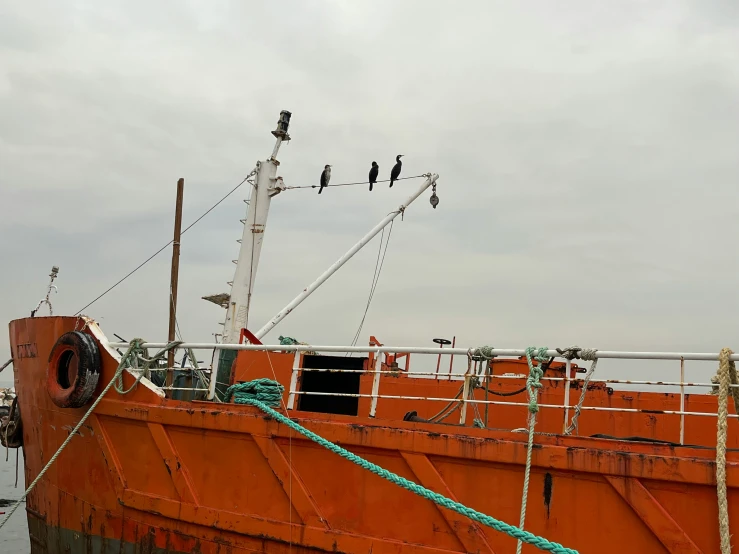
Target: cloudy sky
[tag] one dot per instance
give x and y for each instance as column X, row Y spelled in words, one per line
column 587, row 154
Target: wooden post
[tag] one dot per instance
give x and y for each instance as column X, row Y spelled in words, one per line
column 173, row 282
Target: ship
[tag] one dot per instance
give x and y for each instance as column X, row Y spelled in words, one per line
column 303, row 448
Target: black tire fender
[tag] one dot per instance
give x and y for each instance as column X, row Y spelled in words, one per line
column 74, row 370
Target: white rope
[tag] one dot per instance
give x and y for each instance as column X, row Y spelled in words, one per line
column 726, row 375
column 124, row 360
column 587, row 354
column 526, row 475
column 533, row 385
column 62, row 447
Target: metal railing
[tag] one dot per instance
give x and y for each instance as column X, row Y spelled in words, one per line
column 474, row 372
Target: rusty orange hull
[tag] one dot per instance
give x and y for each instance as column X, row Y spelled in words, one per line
column 154, row 475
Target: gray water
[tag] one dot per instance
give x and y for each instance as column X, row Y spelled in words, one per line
column 14, row 534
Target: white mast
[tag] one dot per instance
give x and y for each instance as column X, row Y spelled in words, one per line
column 266, row 186
column 430, row 181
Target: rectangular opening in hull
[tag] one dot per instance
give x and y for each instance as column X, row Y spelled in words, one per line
column 330, row 382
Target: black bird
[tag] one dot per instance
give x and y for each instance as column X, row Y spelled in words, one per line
column 373, row 174
column 325, row 177
column 395, row 173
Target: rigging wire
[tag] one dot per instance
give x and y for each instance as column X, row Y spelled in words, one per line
column 351, row 184
column 376, row 277
column 372, row 289
column 155, row 254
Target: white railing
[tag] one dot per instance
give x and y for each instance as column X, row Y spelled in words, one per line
column 473, row 371
column 498, row 352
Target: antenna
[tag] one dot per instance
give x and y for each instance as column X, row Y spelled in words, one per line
column 53, row 275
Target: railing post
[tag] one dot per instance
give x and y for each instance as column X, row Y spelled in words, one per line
column 568, row 371
column 293, row 381
column 375, row 383
column 465, row 394
column 682, row 400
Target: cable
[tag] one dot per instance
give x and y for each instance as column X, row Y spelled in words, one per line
column 352, row 184
column 378, row 269
column 375, row 278
column 155, row 254
column 372, row 287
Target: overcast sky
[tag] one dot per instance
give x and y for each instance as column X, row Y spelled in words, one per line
column 587, row 158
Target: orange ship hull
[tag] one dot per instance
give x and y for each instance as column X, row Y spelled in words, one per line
column 153, row 475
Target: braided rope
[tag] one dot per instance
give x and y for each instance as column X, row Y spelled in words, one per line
column 131, row 356
column 240, row 396
column 587, row 354
column 268, row 392
column 726, row 375
column 533, row 384
column 482, row 352
column 137, row 359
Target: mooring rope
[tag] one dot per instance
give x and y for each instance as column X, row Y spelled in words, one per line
column 589, row 355
column 265, row 393
column 533, row 384
column 132, row 356
column 726, row 376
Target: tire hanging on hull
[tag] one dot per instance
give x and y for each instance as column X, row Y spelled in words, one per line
column 74, row 370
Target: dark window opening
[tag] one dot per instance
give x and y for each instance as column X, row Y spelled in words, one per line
column 330, row 382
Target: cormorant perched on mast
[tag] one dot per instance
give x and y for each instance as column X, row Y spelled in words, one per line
column 395, row 173
column 325, row 177
column 373, row 174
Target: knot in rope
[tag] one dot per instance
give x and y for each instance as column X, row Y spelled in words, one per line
column 575, row 352
column 587, row 354
column 264, row 390
column 137, row 359
column 536, row 372
column 570, row 353
column 481, row 353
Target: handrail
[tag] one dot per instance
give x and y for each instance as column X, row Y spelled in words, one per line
column 552, row 353
column 378, row 370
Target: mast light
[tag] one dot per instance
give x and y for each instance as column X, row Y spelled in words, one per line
column 282, row 125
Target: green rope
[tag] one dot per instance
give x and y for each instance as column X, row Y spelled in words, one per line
column 533, row 384
column 264, row 390
column 137, row 358
column 260, row 393
column 536, row 372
